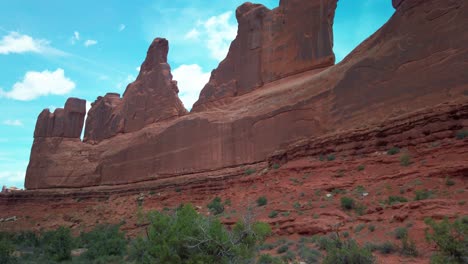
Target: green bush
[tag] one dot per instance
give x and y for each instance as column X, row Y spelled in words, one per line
column 422, row 195
column 449, row 182
column 361, row 167
column 262, row 201
column 331, row 157
column 462, row 134
column 289, row 256
column 393, row 151
column 408, row 247
column 396, row 199
column 401, row 232
column 273, row 214
column 405, row 160
column 269, row 259
column 282, row 249
column 451, row 239
column 386, row 248
column 57, row 244
column 184, row 236
column 347, row 203
column 104, row 240
column 309, row 255
column 348, row 252
column 216, row 206
column 6, row 251
column 249, row 171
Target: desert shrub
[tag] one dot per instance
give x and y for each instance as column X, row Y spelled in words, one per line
column 396, row 199
column 359, row 228
column 361, row 167
column 249, row 171
column 451, row 239
column 289, row 256
column 393, row 151
column 104, row 240
column 6, row 251
column 269, row 259
column 273, row 214
column 184, row 236
column 449, row 182
column 276, row 166
column 216, row 206
column 348, row 252
column 309, row 255
column 400, row 232
column 331, row 157
column 347, row 203
column 408, row 247
column 262, row 201
column 462, row 134
column 282, row 249
column 57, row 244
column 422, row 195
column 386, row 248
column 371, row 228
column 405, row 160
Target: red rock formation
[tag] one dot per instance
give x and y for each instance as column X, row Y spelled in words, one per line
column 151, row 98
column 414, row 61
column 64, row 122
column 272, row 44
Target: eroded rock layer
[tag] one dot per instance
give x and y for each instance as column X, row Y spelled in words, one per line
column 272, row 44
column 416, row 60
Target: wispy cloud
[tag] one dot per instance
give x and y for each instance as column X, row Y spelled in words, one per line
column 75, row 37
column 18, row 43
column 125, row 81
column 14, row 122
column 90, row 42
column 218, row 33
column 36, row 84
column 122, row 27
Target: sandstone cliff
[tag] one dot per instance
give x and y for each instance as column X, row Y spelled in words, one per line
column 416, row 60
column 271, row 44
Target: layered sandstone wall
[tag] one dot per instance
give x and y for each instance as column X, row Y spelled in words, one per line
column 415, row 60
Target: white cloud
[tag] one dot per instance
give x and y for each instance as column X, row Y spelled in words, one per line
column 138, row 69
column 218, row 33
column 193, row 34
column 15, row 122
column 103, row 77
column 122, row 27
column 75, row 38
column 15, row 42
column 90, row 42
column 190, row 80
column 36, row 84
column 15, row 178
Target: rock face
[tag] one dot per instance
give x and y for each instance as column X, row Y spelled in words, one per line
column 272, row 44
column 65, row 122
column 151, row 98
column 415, row 61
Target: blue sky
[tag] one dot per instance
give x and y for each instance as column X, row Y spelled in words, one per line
column 52, row 49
